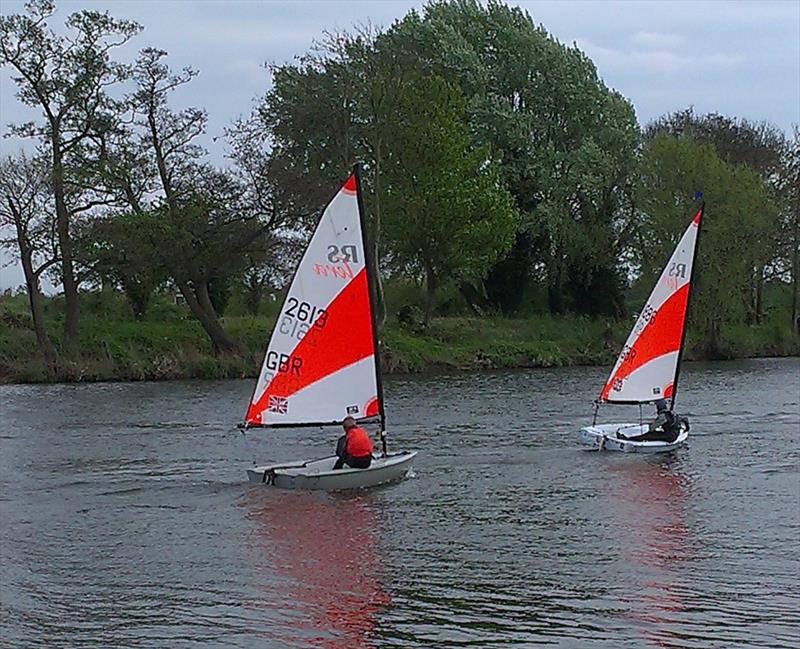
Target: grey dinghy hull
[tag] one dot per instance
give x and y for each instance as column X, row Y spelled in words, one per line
column 319, row 474
column 603, row 437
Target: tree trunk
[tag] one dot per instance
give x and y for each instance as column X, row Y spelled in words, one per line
column 476, row 299
column 161, row 162
column 759, row 302
column 253, row 299
column 35, row 299
column 71, row 312
column 430, row 292
column 37, row 314
column 196, row 295
column 555, row 283
column 713, row 351
column 555, row 293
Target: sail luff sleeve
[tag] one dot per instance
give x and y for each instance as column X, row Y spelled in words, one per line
column 372, row 270
column 699, row 222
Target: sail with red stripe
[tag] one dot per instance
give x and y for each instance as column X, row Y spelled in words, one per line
column 321, row 363
column 646, row 369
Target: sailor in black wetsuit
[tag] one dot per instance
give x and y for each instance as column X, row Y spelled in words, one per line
column 664, row 428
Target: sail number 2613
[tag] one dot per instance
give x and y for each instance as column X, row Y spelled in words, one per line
column 299, row 317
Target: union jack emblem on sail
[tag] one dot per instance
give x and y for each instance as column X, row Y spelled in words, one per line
column 278, row 405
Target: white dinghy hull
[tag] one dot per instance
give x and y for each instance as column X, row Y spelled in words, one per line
column 319, row 474
column 603, row 437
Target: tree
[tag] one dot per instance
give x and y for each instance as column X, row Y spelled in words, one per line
column 188, row 228
column 566, row 144
column 26, row 205
column 113, row 247
column 355, row 82
column 206, row 241
column 760, row 146
column 738, row 223
column 67, row 78
column 559, row 134
column 788, row 257
column 450, row 214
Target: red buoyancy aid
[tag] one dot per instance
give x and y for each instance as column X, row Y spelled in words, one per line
column 358, row 442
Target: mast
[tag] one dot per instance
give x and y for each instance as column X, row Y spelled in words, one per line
column 371, row 270
column 688, row 306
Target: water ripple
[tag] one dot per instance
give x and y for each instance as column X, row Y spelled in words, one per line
column 126, row 524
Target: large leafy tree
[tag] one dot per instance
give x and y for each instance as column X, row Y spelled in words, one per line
column 448, row 215
column 113, row 249
column 740, row 217
column 760, row 146
column 355, row 82
column 66, row 77
column 566, row 144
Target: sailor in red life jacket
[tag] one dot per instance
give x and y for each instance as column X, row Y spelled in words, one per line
column 354, row 447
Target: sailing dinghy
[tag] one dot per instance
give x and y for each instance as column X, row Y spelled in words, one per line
column 323, row 362
column 648, row 367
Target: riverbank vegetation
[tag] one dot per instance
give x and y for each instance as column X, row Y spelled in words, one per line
column 517, row 210
column 169, row 343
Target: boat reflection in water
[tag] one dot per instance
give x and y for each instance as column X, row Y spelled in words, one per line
column 654, row 495
column 318, row 565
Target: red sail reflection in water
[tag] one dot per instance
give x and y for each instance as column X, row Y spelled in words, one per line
column 322, row 567
column 656, row 540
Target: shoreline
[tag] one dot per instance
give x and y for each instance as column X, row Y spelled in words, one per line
column 436, row 370
column 129, row 352
column 229, row 368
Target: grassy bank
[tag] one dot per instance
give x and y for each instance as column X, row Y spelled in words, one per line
column 169, row 344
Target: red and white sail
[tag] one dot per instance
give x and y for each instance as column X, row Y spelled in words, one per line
column 320, row 365
column 646, row 367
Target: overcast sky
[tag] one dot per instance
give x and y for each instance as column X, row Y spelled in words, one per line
column 737, row 58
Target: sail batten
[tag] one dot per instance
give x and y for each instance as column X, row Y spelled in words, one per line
column 321, row 363
column 647, row 367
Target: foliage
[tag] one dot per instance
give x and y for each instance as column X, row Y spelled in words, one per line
column 565, row 144
column 450, row 215
column 67, row 78
column 736, row 229
column 500, row 174
column 114, row 248
column 760, row 146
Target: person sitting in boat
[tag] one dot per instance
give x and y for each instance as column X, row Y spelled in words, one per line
column 354, row 447
column 664, row 428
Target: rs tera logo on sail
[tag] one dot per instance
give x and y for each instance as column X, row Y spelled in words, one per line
column 676, row 273
column 340, row 260
column 677, row 270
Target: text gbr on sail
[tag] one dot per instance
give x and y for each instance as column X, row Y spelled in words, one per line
column 283, row 362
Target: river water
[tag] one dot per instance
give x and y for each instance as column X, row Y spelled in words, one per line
column 127, row 520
